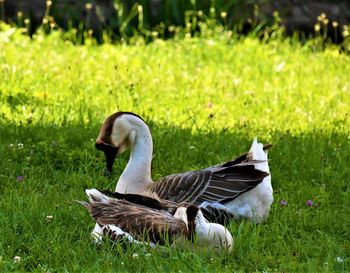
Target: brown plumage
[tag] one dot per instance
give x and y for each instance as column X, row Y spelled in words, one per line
column 215, row 184
column 146, row 220
column 151, row 200
column 143, row 223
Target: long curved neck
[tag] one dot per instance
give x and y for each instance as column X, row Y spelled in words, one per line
column 137, row 174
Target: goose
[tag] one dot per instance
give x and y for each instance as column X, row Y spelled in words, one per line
column 239, row 189
column 145, row 220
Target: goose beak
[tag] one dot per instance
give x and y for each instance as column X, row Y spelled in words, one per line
column 110, row 152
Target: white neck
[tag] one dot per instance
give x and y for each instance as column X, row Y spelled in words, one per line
column 137, row 174
column 202, row 228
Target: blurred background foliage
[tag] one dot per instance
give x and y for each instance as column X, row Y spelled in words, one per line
column 122, row 19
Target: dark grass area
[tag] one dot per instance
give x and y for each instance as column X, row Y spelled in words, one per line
column 56, row 165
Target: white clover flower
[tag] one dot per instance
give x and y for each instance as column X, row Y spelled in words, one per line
column 17, row 259
column 339, row 260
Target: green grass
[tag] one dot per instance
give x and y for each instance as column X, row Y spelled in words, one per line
column 204, row 99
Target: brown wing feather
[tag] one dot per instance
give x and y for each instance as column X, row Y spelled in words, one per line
column 215, row 184
column 151, row 201
column 228, row 183
column 245, row 158
column 141, row 222
column 184, row 187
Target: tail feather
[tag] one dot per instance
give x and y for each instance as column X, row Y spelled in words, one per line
column 96, row 196
column 83, row 203
column 259, row 153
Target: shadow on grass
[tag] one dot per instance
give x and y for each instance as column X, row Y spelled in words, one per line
column 313, row 156
column 45, row 168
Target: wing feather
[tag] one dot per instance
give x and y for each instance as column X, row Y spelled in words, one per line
column 221, row 183
column 184, row 187
column 141, row 222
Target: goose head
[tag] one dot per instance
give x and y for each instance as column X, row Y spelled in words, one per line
column 117, row 134
column 212, row 234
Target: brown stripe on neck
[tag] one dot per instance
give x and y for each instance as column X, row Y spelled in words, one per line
column 191, row 212
column 107, row 126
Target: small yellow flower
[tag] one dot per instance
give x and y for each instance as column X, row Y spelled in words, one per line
column 48, row 3
column 345, row 33
column 345, row 27
column 210, row 42
column 27, row 21
column 19, row 14
column 317, row 27
column 325, row 21
column 171, row 28
column 90, row 32
column 335, row 24
column 45, row 20
column 200, row 13
column 88, row 6
column 52, row 25
column 223, row 14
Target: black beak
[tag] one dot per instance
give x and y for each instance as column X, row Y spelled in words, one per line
column 110, row 152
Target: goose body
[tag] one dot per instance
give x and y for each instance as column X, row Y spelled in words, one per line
column 145, row 220
column 238, row 189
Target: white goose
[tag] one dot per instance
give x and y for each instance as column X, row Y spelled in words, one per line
column 238, row 189
column 145, row 220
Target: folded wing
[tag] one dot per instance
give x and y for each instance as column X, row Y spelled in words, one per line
column 145, row 224
column 221, row 183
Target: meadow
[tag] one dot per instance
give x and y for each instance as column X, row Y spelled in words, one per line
column 205, row 98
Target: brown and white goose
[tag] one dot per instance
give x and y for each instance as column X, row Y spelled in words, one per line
column 145, row 220
column 240, row 188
